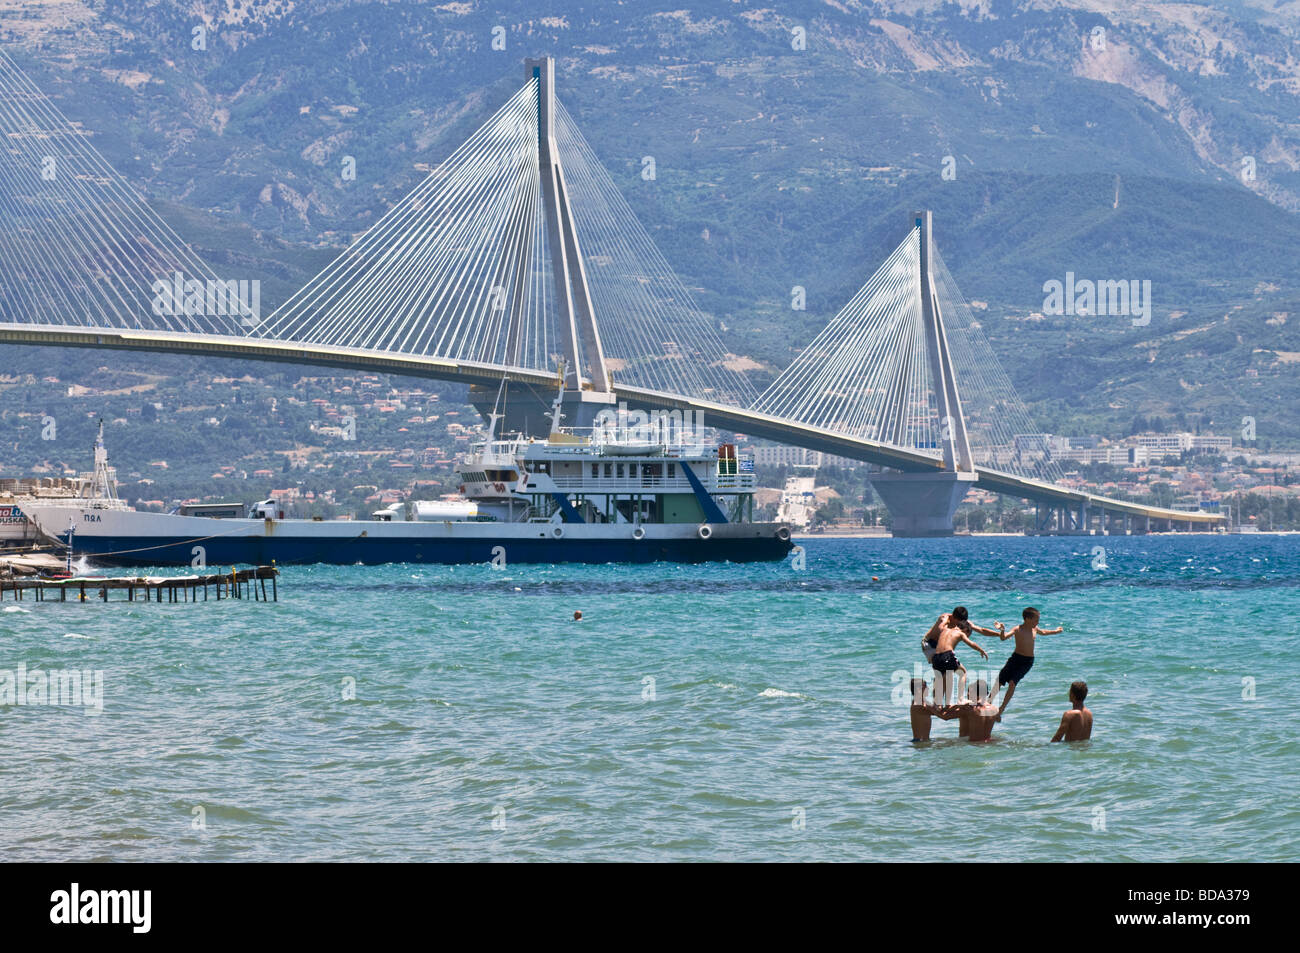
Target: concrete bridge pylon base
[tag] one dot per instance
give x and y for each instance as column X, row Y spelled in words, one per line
column 528, row 409
column 922, row 504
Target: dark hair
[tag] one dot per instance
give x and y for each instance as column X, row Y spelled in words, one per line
column 960, row 614
column 1030, row 612
column 1079, row 690
column 918, row 687
column 964, row 626
column 981, row 690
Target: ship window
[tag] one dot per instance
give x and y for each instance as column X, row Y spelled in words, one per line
column 631, row 470
column 672, row 470
column 609, row 470
column 595, row 470
column 619, row 471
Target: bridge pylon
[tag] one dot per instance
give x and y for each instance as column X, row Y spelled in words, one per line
column 923, row 504
column 586, row 377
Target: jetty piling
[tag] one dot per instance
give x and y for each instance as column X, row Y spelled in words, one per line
column 237, row 584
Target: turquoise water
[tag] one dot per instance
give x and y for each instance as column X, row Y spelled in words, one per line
column 487, row 725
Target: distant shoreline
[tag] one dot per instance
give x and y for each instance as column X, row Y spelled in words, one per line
column 865, row 535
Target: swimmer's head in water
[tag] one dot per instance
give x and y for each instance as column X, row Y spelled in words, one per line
column 917, row 689
column 577, row 615
column 1030, row 615
column 960, row 614
column 979, row 692
column 1078, row 691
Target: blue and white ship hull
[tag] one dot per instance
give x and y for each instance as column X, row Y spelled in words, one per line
column 565, row 499
column 133, row 538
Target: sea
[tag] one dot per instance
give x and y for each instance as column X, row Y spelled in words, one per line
column 696, row 712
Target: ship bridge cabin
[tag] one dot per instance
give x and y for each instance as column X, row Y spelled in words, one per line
column 638, row 482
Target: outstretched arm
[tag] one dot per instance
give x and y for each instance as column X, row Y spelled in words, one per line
column 1065, row 723
column 1057, row 631
column 1000, row 631
column 963, row 637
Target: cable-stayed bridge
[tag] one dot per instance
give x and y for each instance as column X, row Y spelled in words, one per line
column 517, row 260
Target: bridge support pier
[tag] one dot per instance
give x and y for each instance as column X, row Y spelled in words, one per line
column 528, row 409
column 524, row 408
column 922, row 504
column 1068, row 519
column 580, row 408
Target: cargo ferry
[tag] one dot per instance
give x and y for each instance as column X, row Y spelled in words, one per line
column 18, row 533
column 605, row 497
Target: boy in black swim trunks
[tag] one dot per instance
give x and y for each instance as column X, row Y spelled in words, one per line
column 1022, row 659
column 945, row 661
column 959, row 615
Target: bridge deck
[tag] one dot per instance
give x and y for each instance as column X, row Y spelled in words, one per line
column 816, row 438
column 733, row 418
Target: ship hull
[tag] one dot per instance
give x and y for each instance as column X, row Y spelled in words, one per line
column 127, row 538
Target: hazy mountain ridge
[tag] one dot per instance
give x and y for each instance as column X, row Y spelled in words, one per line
column 1192, row 66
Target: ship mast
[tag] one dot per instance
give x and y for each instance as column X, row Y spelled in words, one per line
column 103, row 481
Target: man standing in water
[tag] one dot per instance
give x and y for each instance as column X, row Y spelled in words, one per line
column 1076, row 724
column 921, row 710
column 1022, row 659
column 975, row 716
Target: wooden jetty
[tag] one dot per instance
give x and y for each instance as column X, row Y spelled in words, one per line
column 236, row 584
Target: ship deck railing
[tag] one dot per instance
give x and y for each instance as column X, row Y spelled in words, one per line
column 604, row 485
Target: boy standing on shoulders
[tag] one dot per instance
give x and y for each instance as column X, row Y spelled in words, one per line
column 958, row 616
column 945, row 661
column 1076, row 724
